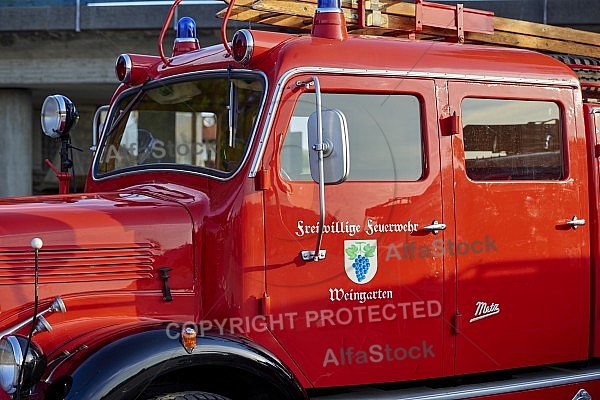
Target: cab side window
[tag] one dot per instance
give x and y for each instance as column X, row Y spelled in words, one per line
column 512, row 139
column 384, row 134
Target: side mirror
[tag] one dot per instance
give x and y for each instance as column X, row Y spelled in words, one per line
column 335, row 146
column 99, row 119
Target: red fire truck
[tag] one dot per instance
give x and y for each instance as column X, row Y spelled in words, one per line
column 332, row 215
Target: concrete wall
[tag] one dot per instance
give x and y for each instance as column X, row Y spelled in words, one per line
column 15, row 142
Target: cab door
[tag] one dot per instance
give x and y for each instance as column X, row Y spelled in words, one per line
column 592, row 118
column 522, row 231
column 372, row 309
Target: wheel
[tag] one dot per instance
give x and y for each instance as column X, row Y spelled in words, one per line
column 190, row 396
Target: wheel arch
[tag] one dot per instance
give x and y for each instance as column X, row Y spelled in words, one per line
column 148, row 361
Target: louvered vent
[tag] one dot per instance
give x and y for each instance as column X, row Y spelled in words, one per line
column 133, row 261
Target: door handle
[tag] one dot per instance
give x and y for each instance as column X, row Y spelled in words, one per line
column 575, row 222
column 435, row 227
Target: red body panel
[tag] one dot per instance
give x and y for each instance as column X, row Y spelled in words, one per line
column 592, row 115
column 310, row 288
column 99, row 249
column 535, row 254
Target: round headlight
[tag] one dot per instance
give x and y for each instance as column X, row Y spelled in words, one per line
column 12, row 359
column 58, row 116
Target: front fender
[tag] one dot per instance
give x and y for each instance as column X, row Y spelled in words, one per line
column 122, row 369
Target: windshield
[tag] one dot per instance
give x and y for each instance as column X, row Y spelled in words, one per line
column 201, row 125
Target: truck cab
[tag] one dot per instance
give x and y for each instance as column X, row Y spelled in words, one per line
column 297, row 216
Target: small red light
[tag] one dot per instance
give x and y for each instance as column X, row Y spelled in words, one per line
column 123, row 68
column 242, row 46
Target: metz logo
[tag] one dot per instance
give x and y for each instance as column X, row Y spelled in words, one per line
column 484, row 311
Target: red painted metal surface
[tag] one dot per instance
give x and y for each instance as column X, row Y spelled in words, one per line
column 311, row 287
column 455, row 18
column 535, row 253
column 592, row 120
column 330, row 25
column 96, row 245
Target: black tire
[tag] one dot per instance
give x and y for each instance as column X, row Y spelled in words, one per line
column 190, row 396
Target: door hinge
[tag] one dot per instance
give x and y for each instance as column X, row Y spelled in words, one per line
column 265, row 305
column 453, row 125
column 457, row 323
column 262, row 180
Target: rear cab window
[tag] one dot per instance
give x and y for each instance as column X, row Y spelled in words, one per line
column 512, row 139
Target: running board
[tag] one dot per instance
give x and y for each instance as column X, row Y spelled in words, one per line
column 548, row 378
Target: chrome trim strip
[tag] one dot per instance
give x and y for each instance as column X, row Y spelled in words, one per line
column 531, row 381
column 167, row 168
column 388, row 74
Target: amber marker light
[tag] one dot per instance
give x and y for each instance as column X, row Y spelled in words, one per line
column 188, row 338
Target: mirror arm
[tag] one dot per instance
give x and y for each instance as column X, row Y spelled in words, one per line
column 323, row 148
column 320, row 148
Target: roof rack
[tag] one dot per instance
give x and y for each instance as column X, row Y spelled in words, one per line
column 580, row 50
column 424, row 20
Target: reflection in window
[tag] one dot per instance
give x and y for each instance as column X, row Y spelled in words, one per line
column 202, row 124
column 384, row 136
column 512, row 140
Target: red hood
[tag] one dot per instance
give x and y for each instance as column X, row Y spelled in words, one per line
column 100, row 244
column 87, row 221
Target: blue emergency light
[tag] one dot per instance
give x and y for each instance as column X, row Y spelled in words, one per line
column 185, row 40
column 329, row 6
column 186, row 30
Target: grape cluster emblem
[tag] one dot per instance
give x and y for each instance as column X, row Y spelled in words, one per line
column 360, row 260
